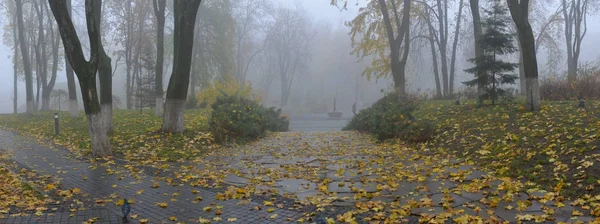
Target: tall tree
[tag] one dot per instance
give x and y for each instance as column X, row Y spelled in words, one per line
column 288, row 39
column 476, row 30
column 398, row 63
column 185, row 17
column 25, row 55
column 395, row 32
column 491, row 71
column 447, row 56
column 71, row 86
column 248, row 15
column 575, row 21
column 104, row 73
column 519, row 10
column 84, row 69
column 159, row 12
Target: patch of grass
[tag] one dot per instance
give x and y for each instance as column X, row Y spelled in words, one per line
column 558, row 144
column 135, row 136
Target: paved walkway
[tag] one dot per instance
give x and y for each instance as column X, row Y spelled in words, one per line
column 107, row 183
column 279, row 179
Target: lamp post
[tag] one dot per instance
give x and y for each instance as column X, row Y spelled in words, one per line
column 56, row 130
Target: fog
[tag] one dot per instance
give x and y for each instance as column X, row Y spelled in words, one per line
column 324, row 66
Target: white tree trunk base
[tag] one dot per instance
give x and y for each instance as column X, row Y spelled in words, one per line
column 533, row 94
column 106, row 110
column 159, row 106
column 173, row 116
column 73, row 108
column 100, row 143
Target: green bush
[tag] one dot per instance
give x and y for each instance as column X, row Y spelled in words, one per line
column 392, row 117
column 238, row 119
column 418, row 131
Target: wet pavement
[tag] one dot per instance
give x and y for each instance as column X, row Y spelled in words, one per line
column 326, row 174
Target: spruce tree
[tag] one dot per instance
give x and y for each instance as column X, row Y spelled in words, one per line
column 490, row 71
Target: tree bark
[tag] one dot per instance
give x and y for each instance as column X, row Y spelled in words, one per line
column 50, row 85
column 15, row 67
column 104, row 74
column 522, row 80
column 575, row 18
column 398, row 64
column 185, row 17
column 25, row 55
column 128, row 54
column 477, row 32
column 436, row 72
column 520, row 14
column 454, row 46
column 443, row 41
column 42, row 60
column 85, row 70
column 72, row 88
column 159, row 11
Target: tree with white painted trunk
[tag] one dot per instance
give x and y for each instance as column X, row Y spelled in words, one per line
column 185, row 17
column 159, row 12
column 519, row 11
column 104, row 73
column 84, row 69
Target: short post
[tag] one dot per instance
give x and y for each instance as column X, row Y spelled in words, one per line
column 56, row 130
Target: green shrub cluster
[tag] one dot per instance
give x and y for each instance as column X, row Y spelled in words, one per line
column 392, row 117
column 238, row 119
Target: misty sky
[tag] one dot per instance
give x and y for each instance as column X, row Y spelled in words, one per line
column 321, row 12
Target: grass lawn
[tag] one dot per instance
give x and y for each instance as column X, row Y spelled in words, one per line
column 135, row 136
column 556, row 148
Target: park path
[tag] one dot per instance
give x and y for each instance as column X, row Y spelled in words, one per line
column 283, row 177
column 107, row 182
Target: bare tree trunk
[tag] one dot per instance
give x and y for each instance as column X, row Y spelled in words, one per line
column 522, row 81
column 25, row 56
column 455, row 45
column 434, row 59
column 185, row 17
column 128, row 54
column 159, row 11
column 85, row 70
column 50, row 85
column 477, row 32
column 105, row 75
column 398, row 64
column 15, row 68
column 520, row 15
column 72, row 88
column 443, row 41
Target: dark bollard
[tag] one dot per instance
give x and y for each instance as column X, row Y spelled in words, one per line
column 56, row 124
column 581, row 104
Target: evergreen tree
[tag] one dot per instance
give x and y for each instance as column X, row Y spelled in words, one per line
column 490, row 71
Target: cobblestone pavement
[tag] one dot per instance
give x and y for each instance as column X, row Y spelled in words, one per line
column 311, row 172
column 107, row 184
